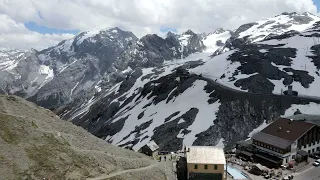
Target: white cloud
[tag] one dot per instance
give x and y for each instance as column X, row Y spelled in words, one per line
column 14, row 35
column 147, row 16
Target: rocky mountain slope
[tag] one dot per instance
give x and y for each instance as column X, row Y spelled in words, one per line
column 184, row 88
column 232, row 94
column 36, row 144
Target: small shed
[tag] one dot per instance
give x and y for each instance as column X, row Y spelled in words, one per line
column 302, row 156
column 150, row 149
column 258, row 169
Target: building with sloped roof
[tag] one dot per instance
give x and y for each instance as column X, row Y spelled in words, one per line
column 205, row 162
column 279, row 142
column 150, row 149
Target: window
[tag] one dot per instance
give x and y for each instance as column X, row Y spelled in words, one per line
column 215, row 167
column 293, row 157
column 312, row 150
column 308, row 151
column 195, row 166
column 205, row 166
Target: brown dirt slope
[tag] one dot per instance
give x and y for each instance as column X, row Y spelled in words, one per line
column 36, row 144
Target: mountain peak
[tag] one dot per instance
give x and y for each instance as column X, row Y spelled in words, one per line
column 169, row 34
column 189, row 32
column 286, row 13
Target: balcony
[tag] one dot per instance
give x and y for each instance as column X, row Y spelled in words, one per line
column 273, row 152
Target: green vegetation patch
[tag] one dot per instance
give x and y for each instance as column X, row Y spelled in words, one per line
column 34, row 125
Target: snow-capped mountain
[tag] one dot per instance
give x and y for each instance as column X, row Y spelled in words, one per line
column 22, row 73
column 79, row 64
column 208, row 101
column 216, row 40
column 275, row 26
column 257, row 31
column 271, row 65
column 172, row 90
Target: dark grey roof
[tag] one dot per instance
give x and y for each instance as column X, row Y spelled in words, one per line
column 288, row 129
column 272, row 140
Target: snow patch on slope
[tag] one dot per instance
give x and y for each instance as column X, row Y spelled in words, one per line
column 267, row 26
column 206, row 115
column 211, row 40
column 300, row 62
column 183, row 103
column 184, row 39
column 258, row 129
column 311, row 108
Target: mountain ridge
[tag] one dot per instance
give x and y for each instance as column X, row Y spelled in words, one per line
column 117, row 93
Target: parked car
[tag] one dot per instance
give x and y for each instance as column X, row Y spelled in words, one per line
column 316, row 163
column 314, row 156
column 317, row 153
column 288, row 177
column 283, row 167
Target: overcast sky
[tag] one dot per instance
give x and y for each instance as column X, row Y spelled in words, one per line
column 39, row 24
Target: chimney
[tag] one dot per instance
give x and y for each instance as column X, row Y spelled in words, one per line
column 290, row 121
column 290, row 90
column 279, row 128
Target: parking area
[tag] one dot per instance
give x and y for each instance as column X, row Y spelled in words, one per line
column 304, row 171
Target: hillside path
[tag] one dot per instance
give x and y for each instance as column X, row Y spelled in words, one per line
column 106, row 176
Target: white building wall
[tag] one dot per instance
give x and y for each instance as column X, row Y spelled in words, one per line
column 310, row 147
column 294, row 149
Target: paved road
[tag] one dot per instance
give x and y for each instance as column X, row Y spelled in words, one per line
column 216, row 82
column 312, row 173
